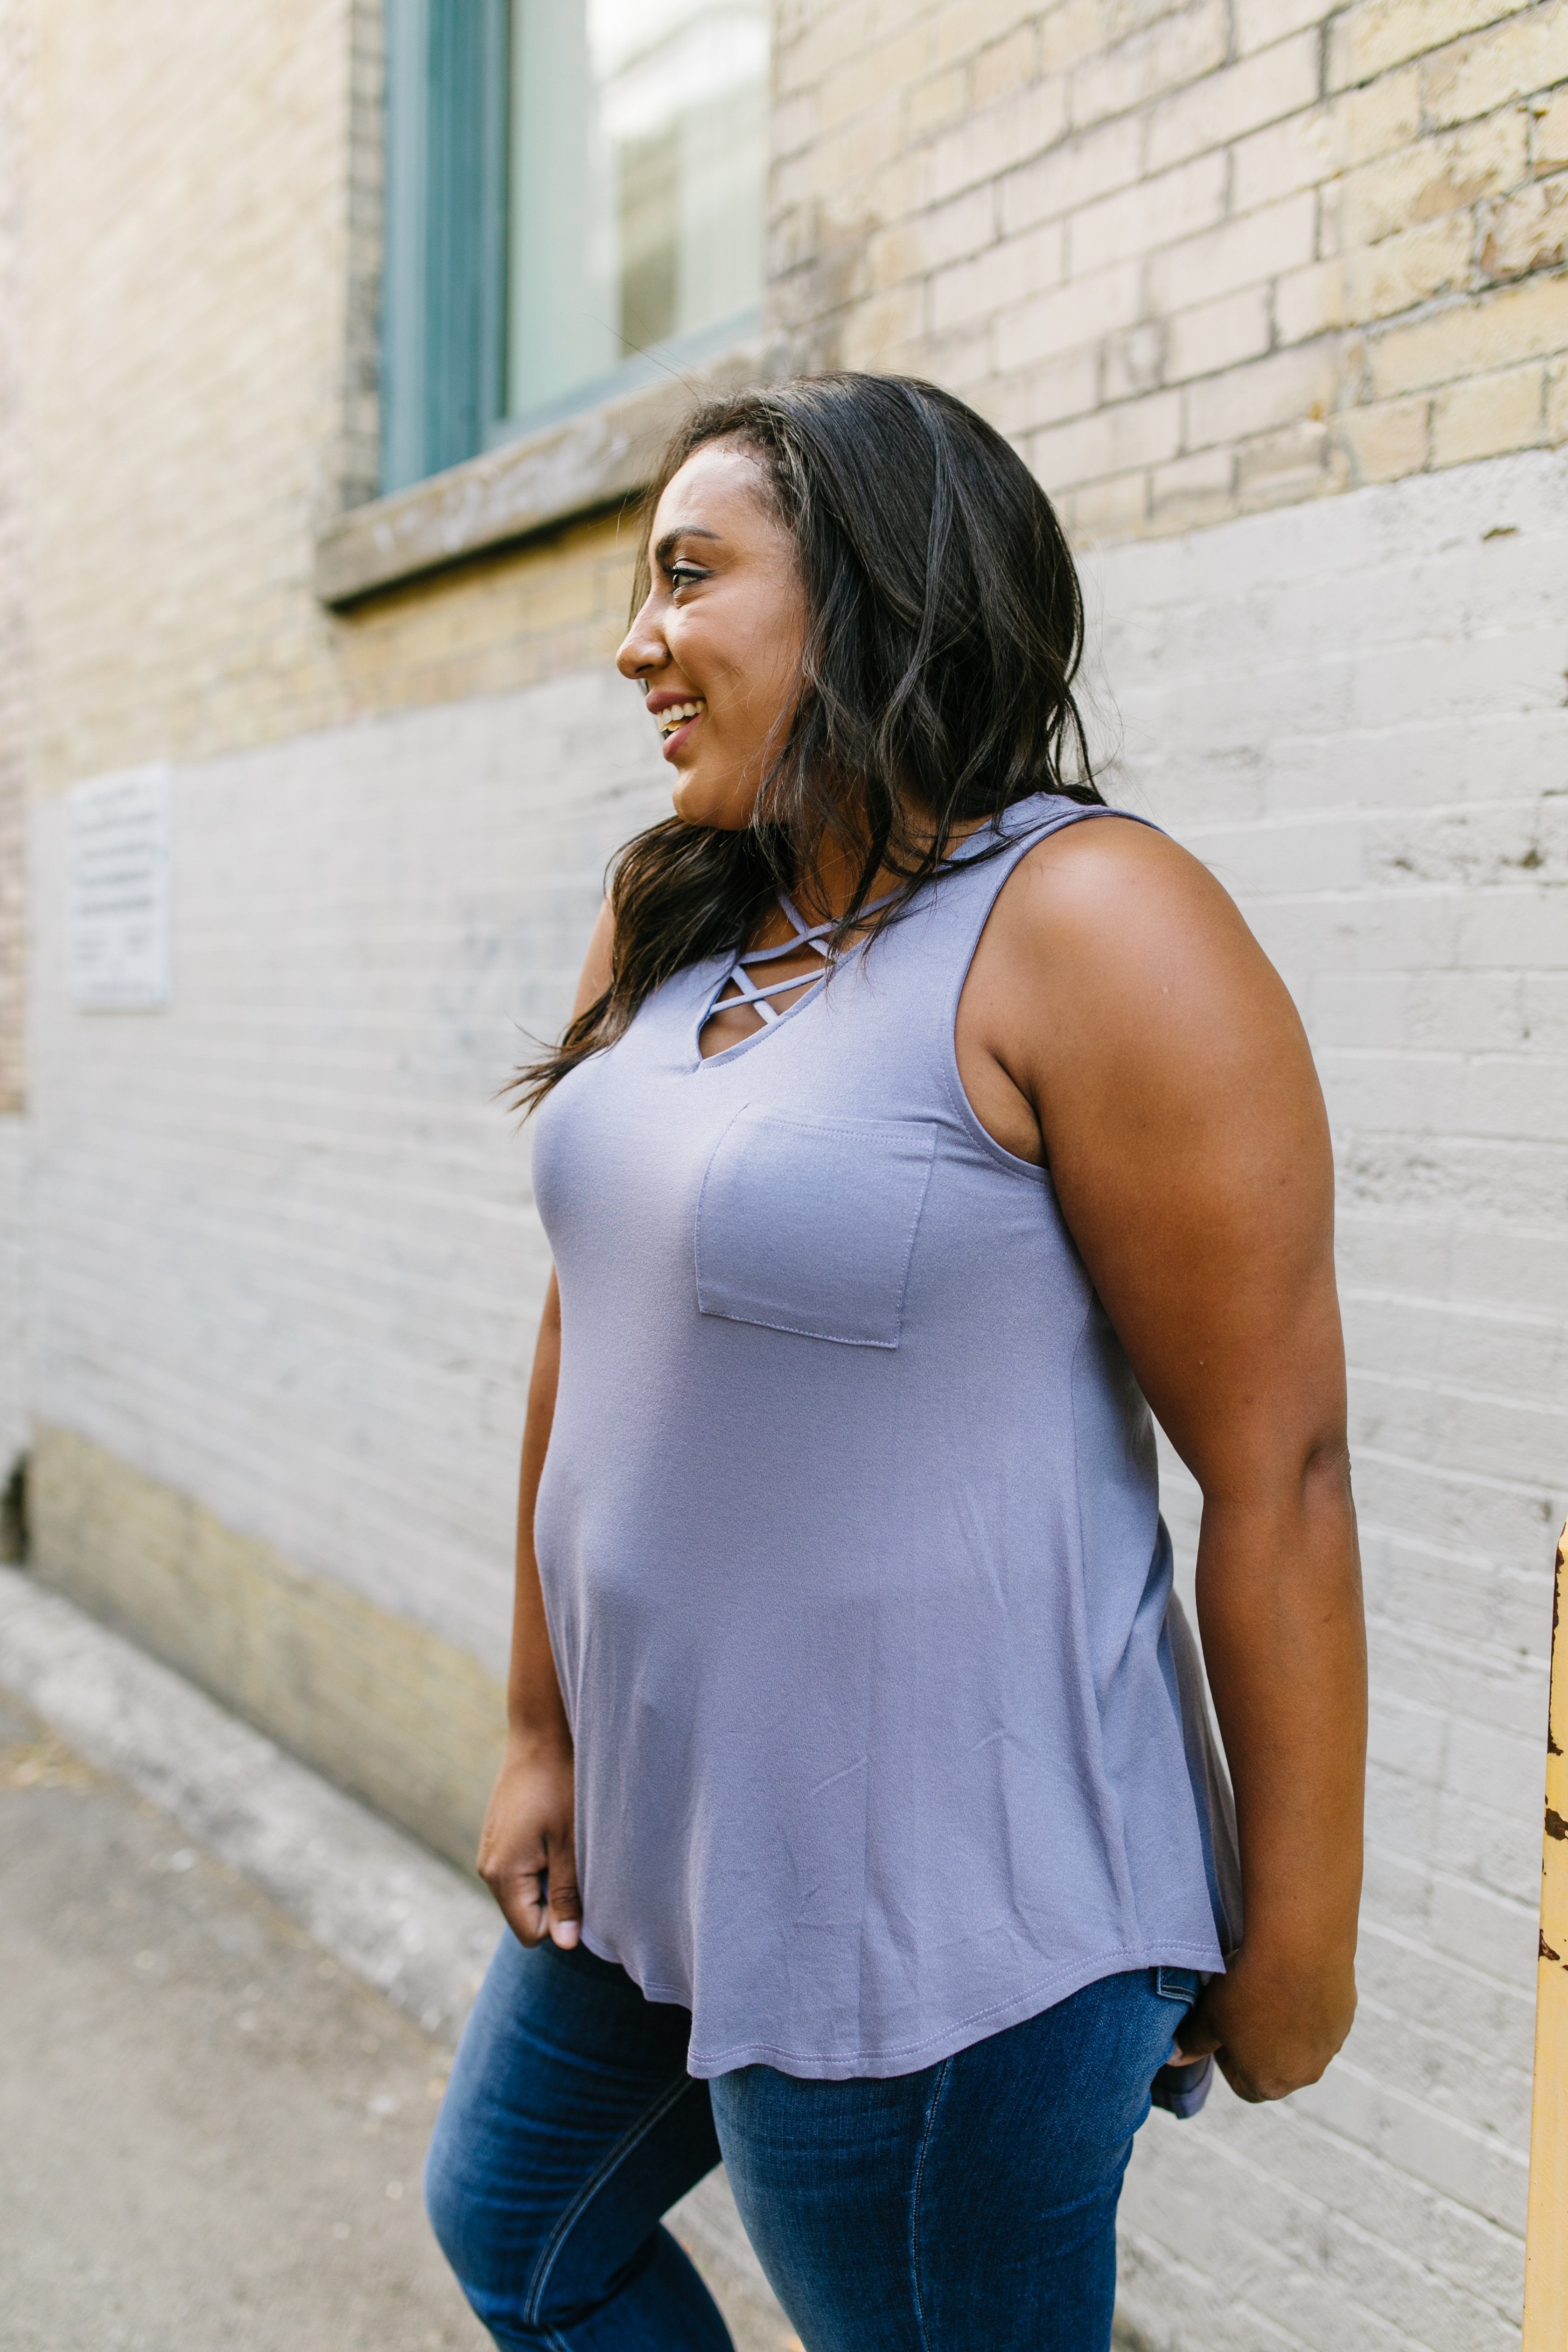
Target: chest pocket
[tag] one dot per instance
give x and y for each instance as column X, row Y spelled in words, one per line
column 808, row 1226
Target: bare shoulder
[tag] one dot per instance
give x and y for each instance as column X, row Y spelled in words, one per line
column 1102, row 879
column 1122, row 993
column 1132, row 925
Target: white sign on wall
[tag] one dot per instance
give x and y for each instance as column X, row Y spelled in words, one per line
column 118, row 886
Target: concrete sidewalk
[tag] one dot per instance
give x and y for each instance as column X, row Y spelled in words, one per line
column 228, row 1995
column 210, row 2131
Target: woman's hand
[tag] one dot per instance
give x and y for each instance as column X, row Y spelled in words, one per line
column 527, row 1851
column 1272, row 2021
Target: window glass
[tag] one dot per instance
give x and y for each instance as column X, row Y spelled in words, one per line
column 637, row 155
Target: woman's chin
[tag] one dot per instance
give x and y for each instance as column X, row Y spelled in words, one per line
column 725, row 807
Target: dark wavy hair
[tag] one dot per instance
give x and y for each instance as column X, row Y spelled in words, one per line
column 944, row 627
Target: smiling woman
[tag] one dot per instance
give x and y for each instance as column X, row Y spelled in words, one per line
column 923, row 1125
column 893, row 557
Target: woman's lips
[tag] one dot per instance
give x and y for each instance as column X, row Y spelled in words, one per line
column 673, row 741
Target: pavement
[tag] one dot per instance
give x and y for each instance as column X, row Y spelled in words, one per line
column 210, row 2131
column 228, row 1999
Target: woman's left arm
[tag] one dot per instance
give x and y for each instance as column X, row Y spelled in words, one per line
column 1123, row 996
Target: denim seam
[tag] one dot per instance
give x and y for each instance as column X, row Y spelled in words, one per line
column 590, row 2190
column 915, row 2214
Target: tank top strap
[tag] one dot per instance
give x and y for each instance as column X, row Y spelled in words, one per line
column 1007, row 838
column 963, row 894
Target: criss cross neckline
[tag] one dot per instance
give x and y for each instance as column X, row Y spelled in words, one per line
column 806, row 935
column 759, row 997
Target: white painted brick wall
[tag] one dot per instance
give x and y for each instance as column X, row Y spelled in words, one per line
column 13, row 1290
column 285, row 1259
column 1354, row 712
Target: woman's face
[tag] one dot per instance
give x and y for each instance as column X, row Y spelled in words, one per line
column 717, row 646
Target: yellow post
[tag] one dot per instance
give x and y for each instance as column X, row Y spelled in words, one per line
column 1546, row 2244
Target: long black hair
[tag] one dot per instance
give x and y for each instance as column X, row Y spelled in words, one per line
column 943, row 630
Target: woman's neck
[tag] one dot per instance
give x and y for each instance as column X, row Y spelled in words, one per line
column 825, row 892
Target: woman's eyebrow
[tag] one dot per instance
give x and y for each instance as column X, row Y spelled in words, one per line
column 672, row 539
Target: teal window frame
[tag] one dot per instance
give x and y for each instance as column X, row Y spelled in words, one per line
column 445, row 284
column 443, row 336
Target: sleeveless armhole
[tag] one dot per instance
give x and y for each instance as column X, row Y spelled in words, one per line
column 1005, row 864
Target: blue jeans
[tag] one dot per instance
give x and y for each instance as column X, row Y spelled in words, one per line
column 971, row 2205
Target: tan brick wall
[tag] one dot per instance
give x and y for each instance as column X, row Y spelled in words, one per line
column 359, row 426
column 1194, row 259
column 188, row 227
column 387, row 1709
column 205, row 213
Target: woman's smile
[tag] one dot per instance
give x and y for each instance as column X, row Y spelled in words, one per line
column 675, row 716
column 725, row 604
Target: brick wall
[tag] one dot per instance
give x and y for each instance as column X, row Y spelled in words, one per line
column 12, row 1291
column 204, row 206
column 189, row 216
column 1194, row 259
column 16, row 93
column 283, row 1229
column 16, row 51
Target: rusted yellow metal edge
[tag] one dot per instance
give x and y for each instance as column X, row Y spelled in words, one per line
column 1546, row 2246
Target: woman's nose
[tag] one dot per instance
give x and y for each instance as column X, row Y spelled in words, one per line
column 642, row 648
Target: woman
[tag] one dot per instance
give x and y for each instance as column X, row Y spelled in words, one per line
column 919, row 1120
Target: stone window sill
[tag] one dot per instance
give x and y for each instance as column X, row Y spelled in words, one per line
column 525, row 487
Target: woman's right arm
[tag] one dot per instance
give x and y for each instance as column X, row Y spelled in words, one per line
column 527, row 1848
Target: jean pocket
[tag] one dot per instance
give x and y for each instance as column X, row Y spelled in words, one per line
column 1181, row 2090
column 1178, row 1984
column 808, row 1224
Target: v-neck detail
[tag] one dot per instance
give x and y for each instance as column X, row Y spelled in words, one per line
column 758, row 1000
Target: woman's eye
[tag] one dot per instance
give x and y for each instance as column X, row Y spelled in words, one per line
column 680, row 575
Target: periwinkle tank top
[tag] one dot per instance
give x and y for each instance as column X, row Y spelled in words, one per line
column 848, row 1532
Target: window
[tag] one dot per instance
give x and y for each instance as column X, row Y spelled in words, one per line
column 575, row 204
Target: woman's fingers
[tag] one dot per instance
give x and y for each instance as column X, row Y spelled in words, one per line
column 519, row 1893
column 565, row 1902
column 526, row 1856
column 1196, row 2037
column 1274, row 2020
